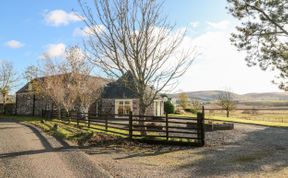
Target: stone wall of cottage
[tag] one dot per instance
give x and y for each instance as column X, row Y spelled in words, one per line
column 41, row 103
column 9, row 108
column 24, row 103
column 108, row 106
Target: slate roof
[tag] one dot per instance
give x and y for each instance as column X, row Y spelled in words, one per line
column 122, row 88
column 25, row 89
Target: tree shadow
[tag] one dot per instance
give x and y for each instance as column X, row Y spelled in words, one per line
column 265, row 149
column 132, row 148
column 48, row 148
column 7, row 128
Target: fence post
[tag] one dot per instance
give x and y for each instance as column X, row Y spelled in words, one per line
column 77, row 118
column 106, row 123
column 203, row 111
column 88, row 120
column 167, row 129
column 199, row 115
column 200, row 127
column 50, row 114
column 61, row 115
column 130, row 125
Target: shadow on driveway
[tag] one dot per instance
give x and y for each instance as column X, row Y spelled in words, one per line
column 44, row 141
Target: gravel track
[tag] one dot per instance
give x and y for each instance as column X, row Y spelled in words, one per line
column 247, row 151
column 25, row 151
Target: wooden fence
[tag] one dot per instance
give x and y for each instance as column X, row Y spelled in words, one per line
column 161, row 129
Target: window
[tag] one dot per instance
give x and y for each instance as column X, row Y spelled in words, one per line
column 158, row 111
column 123, row 107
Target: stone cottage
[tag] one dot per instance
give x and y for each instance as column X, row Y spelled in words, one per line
column 30, row 103
column 117, row 98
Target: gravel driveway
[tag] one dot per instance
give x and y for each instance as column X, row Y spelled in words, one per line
column 27, row 152
column 246, row 151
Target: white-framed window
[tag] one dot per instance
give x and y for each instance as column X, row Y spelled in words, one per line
column 158, row 109
column 123, row 106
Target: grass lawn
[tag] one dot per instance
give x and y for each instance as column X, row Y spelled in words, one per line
column 245, row 119
column 64, row 130
column 70, row 131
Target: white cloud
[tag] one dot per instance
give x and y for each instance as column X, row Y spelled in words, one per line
column 54, row 51
column 194, row 24
column 60, row 17
column 14, row 44
column 220, row 65
column 87, row 31
column 221, row 25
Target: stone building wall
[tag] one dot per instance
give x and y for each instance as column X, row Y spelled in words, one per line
column 28, row 104
column 24, row 103
column 41, row 103
column 108, row 106
column 9, row 108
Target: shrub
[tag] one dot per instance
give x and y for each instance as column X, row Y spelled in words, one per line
column 195, row 106
column 252, row 112
column 154, row 126
column 169, row 107
column 188, row 110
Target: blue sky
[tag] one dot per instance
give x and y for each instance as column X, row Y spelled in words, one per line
column 31, row 27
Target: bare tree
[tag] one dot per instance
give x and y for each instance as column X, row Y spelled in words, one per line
column 54, row 88
column 68, row 82
column 131, row 36
column 85, row 87
column 183, row 100
column 226, row 102
column 8, row 80
column 89, row 90
column 195, row 106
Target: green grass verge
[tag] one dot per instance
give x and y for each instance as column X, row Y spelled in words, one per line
column 65, row 131
column 237, row 120
column 70, row 131
column 246, row 121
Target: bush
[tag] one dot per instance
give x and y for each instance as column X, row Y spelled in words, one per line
column 154, row 126
column 191, row 110
column 188, row 110
column 169, row 107
column 252, row 112
column 195, row 106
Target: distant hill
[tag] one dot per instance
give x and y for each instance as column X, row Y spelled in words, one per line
column 212, row 95
column 266, row 96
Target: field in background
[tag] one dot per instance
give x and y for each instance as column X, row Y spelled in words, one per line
column 265, row 117
column 269, row 115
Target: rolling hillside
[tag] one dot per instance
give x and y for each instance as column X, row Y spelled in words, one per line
column 212, row 95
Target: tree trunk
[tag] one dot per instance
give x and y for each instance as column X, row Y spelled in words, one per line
column 142, row 112
column 4, row 104
column 227, row 113
column 86, row 111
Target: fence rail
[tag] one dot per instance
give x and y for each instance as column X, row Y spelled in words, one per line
column 162, row 129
